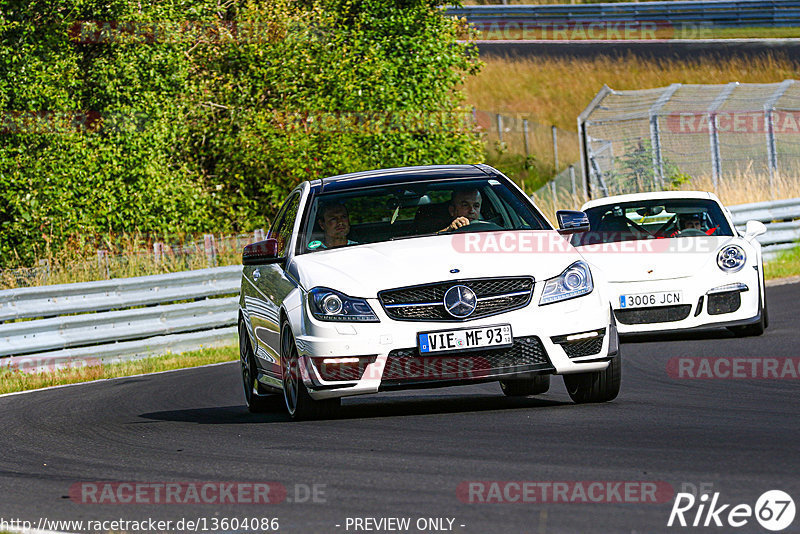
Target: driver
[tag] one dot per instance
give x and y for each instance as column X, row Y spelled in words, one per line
column 334, row 220
column 691, row 222
column 465, row 207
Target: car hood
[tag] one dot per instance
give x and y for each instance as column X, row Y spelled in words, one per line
column 364, row 270
column 657, row 259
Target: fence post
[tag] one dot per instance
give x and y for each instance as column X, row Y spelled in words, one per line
column 102, row 261
column 655, row 133
column 210, row 250
column 499, row 122
column 769, row 127
column 572, row 183
column 555, row 147
column 525, row 138
column 553, row 191
column 716, row 159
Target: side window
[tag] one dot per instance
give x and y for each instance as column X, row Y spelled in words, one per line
column 284, row 223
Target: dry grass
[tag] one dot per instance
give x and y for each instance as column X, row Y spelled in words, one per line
column 745, row 188
column 123, row 256
column 12, row 381
column 556, row 90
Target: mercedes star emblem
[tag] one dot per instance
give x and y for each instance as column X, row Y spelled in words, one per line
column 460, row 301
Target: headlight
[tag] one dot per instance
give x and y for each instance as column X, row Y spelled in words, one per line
column 731, row 258
column 329, row 305
column 575, row 281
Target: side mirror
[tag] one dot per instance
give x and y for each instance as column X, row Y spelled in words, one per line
column 572, row 222
column 261, row 252
column 754, row 229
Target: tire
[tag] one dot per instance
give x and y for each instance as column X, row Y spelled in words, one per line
column 600, row 386
column 299, row 403
column 530, row 386
column 751, row 330
column 257, row 400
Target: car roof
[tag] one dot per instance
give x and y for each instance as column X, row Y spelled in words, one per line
column 399, row 175
column 656, row 195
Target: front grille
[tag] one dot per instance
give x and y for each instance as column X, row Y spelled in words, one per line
column 424, row 302
column 728, row 302
column 583, row 347
column 406, row 365
column 660, row 314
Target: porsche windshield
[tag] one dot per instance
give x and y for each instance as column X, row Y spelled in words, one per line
column 653, row 219
column 375, row 214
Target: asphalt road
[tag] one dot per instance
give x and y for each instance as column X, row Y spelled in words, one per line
column 404, row 454
column 661, row 49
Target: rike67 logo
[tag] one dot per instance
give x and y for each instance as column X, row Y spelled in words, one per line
column 774, row 510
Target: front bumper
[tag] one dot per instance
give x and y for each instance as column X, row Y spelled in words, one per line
column 370, row 357
column 708, row 302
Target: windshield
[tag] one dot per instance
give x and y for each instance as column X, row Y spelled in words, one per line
column 376, row 214
column 653, row 219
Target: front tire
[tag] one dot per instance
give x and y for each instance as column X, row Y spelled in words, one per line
column 257, row 401
column 522, row 388
column 751, row 330
column 600, row 386
column 299, row 403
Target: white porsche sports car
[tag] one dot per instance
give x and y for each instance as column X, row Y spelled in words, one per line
column 395, row 279
column 674, row 261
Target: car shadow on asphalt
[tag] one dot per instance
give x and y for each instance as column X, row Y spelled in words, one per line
column 362, row 409
column 690, row 335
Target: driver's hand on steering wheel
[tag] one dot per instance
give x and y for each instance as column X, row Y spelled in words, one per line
column 457, row 223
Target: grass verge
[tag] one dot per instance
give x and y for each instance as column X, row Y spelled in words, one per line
column 556, row 90
column 14, row 380
column 786, row 264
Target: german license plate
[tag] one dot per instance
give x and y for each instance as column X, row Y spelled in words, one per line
column 647, row 300
column 465, row 338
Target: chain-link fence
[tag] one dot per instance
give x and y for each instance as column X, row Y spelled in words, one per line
column 530, row 153
column 739, row 140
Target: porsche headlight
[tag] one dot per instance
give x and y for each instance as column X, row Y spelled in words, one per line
column 329, row 305
column 575, row 281
column 731, row 258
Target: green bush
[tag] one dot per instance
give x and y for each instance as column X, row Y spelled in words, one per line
column 123, row 117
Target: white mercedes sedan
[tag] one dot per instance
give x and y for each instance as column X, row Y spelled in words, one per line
column 419, row 277
column 673, row 260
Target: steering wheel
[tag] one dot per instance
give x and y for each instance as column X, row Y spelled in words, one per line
column 689, row 232
column 480, row 226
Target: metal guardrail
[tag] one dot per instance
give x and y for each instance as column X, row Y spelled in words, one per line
column 713, row 13
column 782, row 218
column 111, row 320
